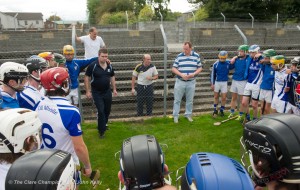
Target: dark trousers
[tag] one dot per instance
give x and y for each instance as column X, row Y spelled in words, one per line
column 144, row 95
column 103, row 102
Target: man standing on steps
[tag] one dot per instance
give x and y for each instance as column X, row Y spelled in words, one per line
column 145, row 73
column 92, row 43
column 186, row 66
column 98, row 78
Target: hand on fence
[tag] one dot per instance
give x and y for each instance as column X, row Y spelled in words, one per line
column 88, row 95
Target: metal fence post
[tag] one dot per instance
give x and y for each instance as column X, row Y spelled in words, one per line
column 165, row 68
column 242, row 34
column 78, row 89
column 224, row 18
column 252, row 19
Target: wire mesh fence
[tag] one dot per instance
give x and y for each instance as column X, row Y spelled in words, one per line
column 126, row 50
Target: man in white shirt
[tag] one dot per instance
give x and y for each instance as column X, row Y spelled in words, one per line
column 92, row 43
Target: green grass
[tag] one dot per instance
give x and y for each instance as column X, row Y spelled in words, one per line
column 183, row 139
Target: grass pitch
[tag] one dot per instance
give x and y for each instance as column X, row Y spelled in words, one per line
column 183, row 139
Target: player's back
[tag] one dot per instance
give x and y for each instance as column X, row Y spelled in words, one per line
column 61, row 120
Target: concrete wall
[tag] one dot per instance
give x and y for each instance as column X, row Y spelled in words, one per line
column 230, row 36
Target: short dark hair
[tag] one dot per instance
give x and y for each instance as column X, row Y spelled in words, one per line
column 92, row 29
column 188, row 43
column 102, row 50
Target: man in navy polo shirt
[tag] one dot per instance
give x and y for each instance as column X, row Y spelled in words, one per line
column 97, row 80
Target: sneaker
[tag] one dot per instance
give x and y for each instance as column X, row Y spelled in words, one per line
column 230, row 115
column 239, row 118
column 175, row 119
column 101, row 136
column 222, row 114
column 215, row 113
column 190, row 119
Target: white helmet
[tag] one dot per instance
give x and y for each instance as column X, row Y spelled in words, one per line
column 12, row 70
column 16, row 126
column 45, row 169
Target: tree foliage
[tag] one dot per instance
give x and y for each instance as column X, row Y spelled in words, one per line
column 146, row 14
column 54, row 18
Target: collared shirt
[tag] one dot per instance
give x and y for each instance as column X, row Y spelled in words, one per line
column 9, row 101
column 280, row 82
column 253, row 71
column 187, row 64
column 100, row 78
column 142, row 72
column 29, row 97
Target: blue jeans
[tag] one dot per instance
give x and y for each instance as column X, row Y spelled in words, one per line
column 186, row 88
column 102, row 101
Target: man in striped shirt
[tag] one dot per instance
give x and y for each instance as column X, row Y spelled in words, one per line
column 186, row 66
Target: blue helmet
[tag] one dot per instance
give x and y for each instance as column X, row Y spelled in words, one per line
column 254, row 48
column 223, row 55
column 209, row 171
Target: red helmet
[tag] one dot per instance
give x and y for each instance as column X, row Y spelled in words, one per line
column 55, row 78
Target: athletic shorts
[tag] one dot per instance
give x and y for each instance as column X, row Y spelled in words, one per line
column 221, row 86
column 279, row 105
column 252, row 90
column 293, row 109
column 238, row 86
column 265, row 95
column 73, row 95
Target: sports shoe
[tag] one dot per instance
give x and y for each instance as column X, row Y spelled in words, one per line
column 101, row 136
column 222, row 114
column 175, row 119
column 215, row 113
column 239, row 118
column 190, row 119
column 230, row 115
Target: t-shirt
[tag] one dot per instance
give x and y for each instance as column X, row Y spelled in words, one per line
column 61, row 120
column 91, row 47
column 142, row 72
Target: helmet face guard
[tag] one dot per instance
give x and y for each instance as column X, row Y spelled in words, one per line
column 142, row 163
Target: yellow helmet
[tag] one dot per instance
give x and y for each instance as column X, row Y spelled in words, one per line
column 68, row 50
column 46, row 55
column 278, row 59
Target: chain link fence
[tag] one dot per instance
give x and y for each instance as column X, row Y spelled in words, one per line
column 126, row 50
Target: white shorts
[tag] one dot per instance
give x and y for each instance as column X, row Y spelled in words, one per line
column 265, row 95
column 73, row 95
column 221, row 86
column 252, row 90
column 279, row 105
column 238, row 86
column 293, row 109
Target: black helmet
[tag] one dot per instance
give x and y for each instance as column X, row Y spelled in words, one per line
column 273, row 141
column 142, row 163
column 296, row 62
column 42, row 170
column 35, row 63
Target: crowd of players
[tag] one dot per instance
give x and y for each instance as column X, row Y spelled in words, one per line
column 272, row 142
column 257, row 77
